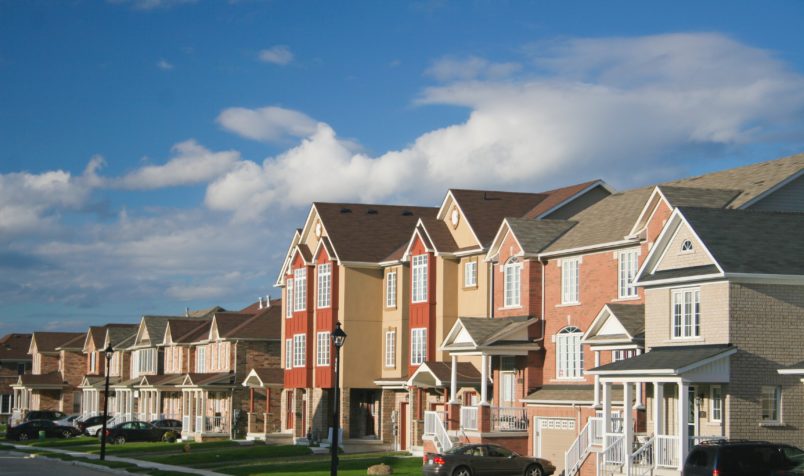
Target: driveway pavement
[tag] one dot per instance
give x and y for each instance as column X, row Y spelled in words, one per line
column 19, row 464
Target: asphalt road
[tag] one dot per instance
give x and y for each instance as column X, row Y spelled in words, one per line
column 17, row 464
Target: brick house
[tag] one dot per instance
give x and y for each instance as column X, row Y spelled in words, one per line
column 97, row 339
column 14, row 361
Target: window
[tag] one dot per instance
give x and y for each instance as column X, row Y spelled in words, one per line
column 299, row 341
column 507, row 387
column 6, row 403
column 390, row 289
column 771, row 403
column 322, row 350
column 288, row 353
column 324, row 284
column 289, row 299
column 512, row 284
column 144, row 361
column 617, row 355
column 627, row 269
column 93, row 363
column 686, row 247
column 715, row 403
column 419, row 293
column 300, row 281
column 569, row 281
column 390, row 349
column 686, row 313
column 470, row 274
column 201, row 359
column 21, row 368
column 569, row 353
column 418, row 345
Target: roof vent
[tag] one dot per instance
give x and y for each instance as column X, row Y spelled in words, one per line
column 186, row 312
column 267, row 301
column 346, row 210
column 407, row 213
column 371, row 211
column 260, row 302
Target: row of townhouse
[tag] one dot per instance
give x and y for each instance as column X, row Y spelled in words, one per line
column 603, row 330
column 215, row 371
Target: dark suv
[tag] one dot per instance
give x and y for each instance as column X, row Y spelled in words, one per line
column 44, row 415
column 743, row 458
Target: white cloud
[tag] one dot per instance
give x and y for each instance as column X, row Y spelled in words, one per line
column 279, row 54
column 472, row 67
column 266, row 124
column 192, row 163
column 163, row 64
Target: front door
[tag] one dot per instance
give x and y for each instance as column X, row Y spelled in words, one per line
column 692, row 418
column 402, row 425
column 289, row 415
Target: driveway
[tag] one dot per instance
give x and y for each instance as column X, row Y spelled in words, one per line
column 18, row 464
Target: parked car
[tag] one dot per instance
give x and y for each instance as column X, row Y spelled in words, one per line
column 68, row 420
column 31, row 429
column 743, row 458
column 138, row 431
column 51, row 415
column 91, row 425
column 168, row 424
column 484, row 460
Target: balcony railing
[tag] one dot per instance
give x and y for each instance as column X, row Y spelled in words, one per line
column 469, row 418
column 666, row 451
column 434, row 426
column 614, row 452
column 509, row 419
column 216, row 424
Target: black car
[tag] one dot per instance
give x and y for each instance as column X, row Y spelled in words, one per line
column 51, row 415
column 168, row 424
column 82, row 425
column 483, row 460
column 138, row 431
column 30, row 430
column 743, row 458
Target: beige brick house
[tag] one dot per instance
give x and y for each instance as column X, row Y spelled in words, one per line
column 14, row 361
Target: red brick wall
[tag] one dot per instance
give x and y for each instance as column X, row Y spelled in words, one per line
column 531, row 283
column 423, row 314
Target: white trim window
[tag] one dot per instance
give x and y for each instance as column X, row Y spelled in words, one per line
column 627, row 265
column 289, row 299
column 569, row 353
column 390, row 348
column 715, row 403
column 569, row 281
column 288, row 353
column 507, row 388
column 512, row 283
column 322, row 349
column 470, row 274
column 418, row 345
column 201, row 359
column 300, row 298
column 299, row 347
column 419, row 278
column 622, row 354
column 390, row 289
column 686, row 313
column 93, row 363
column 6, row 403
column 324, row 284
column 771, row 404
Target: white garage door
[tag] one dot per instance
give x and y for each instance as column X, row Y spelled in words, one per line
column 552, row 439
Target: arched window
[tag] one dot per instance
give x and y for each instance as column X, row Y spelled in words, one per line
column 569, row 353
column 686, row 246
column 512, row 283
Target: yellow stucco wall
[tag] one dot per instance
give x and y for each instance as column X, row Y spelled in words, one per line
column 361, row 300
column 396, row 318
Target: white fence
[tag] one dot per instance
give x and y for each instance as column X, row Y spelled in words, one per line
column 667, row 451
column 591, row 434
column 469, row 418
column 434, row 426
column 509, row 419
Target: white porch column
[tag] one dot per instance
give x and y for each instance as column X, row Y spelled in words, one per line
column 607, row 408
column 638, row 401
column 159, row 409
column 484, row 379
column 658, row 406
column 628, row 426
column 683, row 423
column 597, row 380
column 453, row 382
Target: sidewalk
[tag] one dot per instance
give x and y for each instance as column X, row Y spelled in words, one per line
column 140, row 463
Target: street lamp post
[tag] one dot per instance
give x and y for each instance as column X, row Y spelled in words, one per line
column 108, row 351
column 338, row 338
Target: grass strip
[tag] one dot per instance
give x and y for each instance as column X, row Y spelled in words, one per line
column 226, row 455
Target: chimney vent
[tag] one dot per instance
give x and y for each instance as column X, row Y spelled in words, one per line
column 267, row 301
column 260, row 298
column 346, row 210
column 407, row 213
column 186, row 312
column 371, row 211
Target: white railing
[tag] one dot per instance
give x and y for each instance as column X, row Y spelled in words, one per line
column 614, row 452
column 577, row 452
column 642, row 459
column 469, row 418
column 216, row 424
column 666, row 451
column 596, row 430
column 429, row 423
column 433, row 425
column 509, row 419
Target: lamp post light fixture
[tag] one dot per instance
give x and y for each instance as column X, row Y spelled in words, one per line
column 338, row 338
column 108, row 352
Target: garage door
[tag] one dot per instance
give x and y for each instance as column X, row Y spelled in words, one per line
column 553, row 437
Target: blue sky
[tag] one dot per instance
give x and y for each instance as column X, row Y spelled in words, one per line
column 158, row 154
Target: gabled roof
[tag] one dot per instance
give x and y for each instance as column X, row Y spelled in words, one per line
column 566, row 394
column 533, row 236
column 15, row 347
column 439, row 374
column 671, row 360
column 473, row 333
column 166, row 380
column 48, row 342
column 265, row 377
column 200, row 380
column 186, row 331
column 120, row 336
column 616, row 317
column 266, row 325
column 439, row 235
column 94, row 336
column 48, row 380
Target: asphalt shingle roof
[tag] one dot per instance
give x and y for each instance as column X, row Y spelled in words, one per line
column 536, row 235
column 631, row 316
column 15, row 347
column 666, row 358
column 481, row 328
column 572, row 393
column 50, row 341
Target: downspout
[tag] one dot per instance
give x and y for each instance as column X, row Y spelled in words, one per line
column 491, row 289
column 540, row 339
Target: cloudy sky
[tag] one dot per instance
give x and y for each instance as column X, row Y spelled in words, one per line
column 157, row 154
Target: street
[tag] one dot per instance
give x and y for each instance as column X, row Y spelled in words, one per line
column 13, row 463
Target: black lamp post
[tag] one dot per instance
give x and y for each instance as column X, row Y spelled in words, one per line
column 338, row 338
column 108, row 351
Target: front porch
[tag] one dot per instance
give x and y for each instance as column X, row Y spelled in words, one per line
column 264, row 403
column 206, row 406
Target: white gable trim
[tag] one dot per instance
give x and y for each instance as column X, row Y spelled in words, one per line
column 280, row 280
column 416, row 232
column 599, row 322
column 656, row 197
column 499, row 239
column 772, row 190
column 443, row 210
column 453, row 334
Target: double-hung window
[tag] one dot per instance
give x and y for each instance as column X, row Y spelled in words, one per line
column 201, row 359
column 93, row 364
column 300, row 281
column 507, row 388
column 771, row 403
column 390, row 348
column 324, row 284
column 569, row 353
column 622, row 354
column 299, row 347
column 390, row 289
column 322, row 349
column 419, row 265
column 627, row 269
column 569, row 281
column 418, row 345
column 288, row 353
column 715, row 403
column 512, row 284
column 470, row 274
column 686, row 313
column 289, row 299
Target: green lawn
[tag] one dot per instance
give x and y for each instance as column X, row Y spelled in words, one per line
column 354, row 466
column 229, row 455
